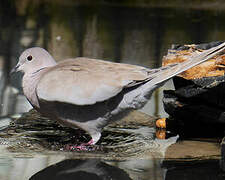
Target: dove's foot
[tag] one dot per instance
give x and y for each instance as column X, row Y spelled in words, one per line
column 89, row 146
column 84, row 146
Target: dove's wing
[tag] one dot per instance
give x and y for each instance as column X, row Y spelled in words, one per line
column 84, row 81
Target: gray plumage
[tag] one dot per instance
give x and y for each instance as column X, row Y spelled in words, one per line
column 90, row 93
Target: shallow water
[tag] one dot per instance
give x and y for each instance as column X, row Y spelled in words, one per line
column 128, row 149
column 136, row 34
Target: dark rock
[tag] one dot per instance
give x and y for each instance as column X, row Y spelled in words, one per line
column 192, row 109
column 203, row 46
column 199, row 100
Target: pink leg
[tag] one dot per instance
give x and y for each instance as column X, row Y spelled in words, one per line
column 84, row 146
column 81, row 147
column 89, row 146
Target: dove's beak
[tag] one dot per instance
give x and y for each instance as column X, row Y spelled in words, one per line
column 15, row 69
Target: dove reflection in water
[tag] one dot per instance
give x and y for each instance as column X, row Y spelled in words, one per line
column 92, row 169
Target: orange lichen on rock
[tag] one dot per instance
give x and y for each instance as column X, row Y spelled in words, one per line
column 212, row 67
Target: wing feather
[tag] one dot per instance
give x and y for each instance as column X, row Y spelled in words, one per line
column 84, row 81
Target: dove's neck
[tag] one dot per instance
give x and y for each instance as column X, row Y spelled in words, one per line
column 30, row 81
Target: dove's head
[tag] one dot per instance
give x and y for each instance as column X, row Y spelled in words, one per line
column 34, row 59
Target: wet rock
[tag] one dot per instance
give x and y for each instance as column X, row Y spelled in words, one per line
column 212, row 67
column 134, row 136
column 197, row 100
column 199, row 92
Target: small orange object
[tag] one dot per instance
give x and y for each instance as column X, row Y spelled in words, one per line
column 161, row 123
column 160, row 134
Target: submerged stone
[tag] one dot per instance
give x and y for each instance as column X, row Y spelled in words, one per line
column 134, row 136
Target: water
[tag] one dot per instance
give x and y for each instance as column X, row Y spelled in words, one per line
column 135, row 34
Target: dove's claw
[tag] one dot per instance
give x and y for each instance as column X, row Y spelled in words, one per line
column 89, row 146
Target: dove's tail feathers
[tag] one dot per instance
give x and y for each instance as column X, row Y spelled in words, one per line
column 192, row 61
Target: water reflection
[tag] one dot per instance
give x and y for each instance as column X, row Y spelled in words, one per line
column 60, row 165
column 81, row 169
column 86, row 169
column 206, row 170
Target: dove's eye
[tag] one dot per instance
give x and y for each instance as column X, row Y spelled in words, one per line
column 29, row 58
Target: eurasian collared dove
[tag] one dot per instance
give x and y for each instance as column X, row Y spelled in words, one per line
column 90, row 93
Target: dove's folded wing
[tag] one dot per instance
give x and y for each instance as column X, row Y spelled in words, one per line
column 84, row 81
